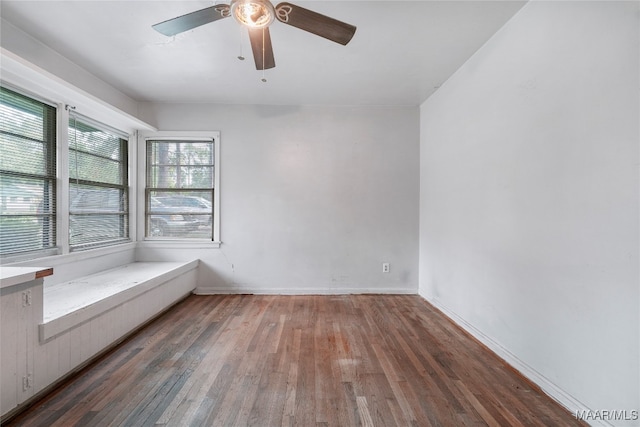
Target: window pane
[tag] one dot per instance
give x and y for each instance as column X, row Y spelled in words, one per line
column 97, row 215
column 90, row 199
column 180, row 214
column 25, row 233
column 28, row 220
column 22, row 116
column 27, row 174
column 22, row 155
column 85, row 166
column 94, row 155
column 26, row 196
column 98, row 192
column 179, row 197
column 181, row 164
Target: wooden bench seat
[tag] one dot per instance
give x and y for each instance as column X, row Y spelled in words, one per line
column 70, row 304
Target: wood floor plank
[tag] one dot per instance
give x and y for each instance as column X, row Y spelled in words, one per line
column 266, row 360
column 363, row 410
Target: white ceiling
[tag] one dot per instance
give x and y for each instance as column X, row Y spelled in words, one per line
column 401, row 52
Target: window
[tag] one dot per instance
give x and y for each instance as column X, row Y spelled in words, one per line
column 27, row 174
column 180, row 197
column 98, row 185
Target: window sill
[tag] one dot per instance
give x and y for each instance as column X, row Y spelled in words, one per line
column 89, row 254
column 179, row 244
column 29, row 256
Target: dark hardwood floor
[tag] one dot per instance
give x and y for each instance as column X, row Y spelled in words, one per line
column 351, row 360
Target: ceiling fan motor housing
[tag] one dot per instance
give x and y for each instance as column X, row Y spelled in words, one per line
column 253, row 13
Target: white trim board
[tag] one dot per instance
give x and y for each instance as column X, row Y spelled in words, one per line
column 19, row 72
column 240, row 289
column 547, row 386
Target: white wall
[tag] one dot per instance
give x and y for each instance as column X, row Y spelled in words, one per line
column 529, row 199
column 39, row 54
column 314, row 199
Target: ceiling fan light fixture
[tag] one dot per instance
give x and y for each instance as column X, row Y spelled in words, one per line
column 253, row 13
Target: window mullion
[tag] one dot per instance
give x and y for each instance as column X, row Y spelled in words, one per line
column 84, row 182
column 62, row 202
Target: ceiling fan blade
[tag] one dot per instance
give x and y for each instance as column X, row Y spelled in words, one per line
column 192, row 20
column 262, row 49
column 316, row 23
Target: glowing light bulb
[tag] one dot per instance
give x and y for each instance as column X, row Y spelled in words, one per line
column 253, row 13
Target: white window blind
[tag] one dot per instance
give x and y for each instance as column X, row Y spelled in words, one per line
column 180, row 189
column 98, row 185
column 27, row 174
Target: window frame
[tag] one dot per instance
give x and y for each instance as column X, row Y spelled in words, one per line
column 29, row 79
column 178, row 136
column 60, row 153
column 51, row 148
column 123, row 187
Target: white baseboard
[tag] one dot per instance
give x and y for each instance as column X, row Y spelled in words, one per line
column 299, row 291
column 552, row 390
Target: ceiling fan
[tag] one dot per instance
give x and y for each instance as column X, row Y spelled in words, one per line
column 257, row 15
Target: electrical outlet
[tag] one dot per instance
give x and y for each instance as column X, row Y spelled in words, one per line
column 27, row 382
column 386, row 267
